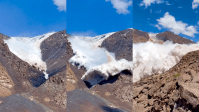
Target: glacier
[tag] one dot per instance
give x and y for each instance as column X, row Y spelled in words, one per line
column 28, row 50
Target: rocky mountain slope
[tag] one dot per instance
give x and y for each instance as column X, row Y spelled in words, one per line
column 109, row 95
column 24, row 76
column 27, row 83
column 164, row 36
column 120, row 43
column 142, row 37
column 173, row 91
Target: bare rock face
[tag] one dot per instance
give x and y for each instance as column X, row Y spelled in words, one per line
column 54, row 52
column 140, row 36
column 23, row 76
column 5, row 37
column 52, row 93
column 120, row 43
column 175, row 90
column 173, row 37
column 6, row 84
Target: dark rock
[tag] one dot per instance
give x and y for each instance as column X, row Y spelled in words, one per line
column 173, row 37
column 120, row 43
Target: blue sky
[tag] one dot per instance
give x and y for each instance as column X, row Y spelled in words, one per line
column 179, row 16
column 95, row 17
column 32, row 17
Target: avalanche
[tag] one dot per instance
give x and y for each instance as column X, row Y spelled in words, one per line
column 152, row 58
column 89, row 54
column 28, row 49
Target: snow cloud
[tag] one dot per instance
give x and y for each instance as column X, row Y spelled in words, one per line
column 61, row 4
column 152, row 58
column 169, row 22
column 121, row 6
column 147, row 3
column 195, row 4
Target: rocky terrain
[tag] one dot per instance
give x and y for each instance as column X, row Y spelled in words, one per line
column 142, row 37
column 21, row 82
column 21, row 74
column 120, row 43
column 164, row 36
column 109, row 95
column 173, row 91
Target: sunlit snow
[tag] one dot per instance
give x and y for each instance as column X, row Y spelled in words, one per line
column 89, row 54
column 28, row 49
column 152, row 58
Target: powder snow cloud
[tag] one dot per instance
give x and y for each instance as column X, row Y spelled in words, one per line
column 61, row 4
column 121, row 6
column 152, row 58
column 169, row 22
column 195, row 4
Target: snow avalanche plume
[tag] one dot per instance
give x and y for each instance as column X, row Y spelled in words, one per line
column 153, row 58
column 89, row 55
column 28, row 49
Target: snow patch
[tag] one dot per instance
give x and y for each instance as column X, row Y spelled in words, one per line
column 28, row 49
column 152, row 58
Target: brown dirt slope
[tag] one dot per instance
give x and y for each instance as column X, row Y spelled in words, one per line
column 176, row 90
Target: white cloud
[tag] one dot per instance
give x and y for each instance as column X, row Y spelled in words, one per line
column 159, row 11
column 147, row 3
column 159, row 28
column 169, row 22
column 167, row 3
column 195, row 4
column 151, row 10
column 61, row 4
column 198, row 22
column 121, row 5
column 180, row 7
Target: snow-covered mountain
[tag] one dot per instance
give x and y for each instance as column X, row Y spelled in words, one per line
column 89, row 54
column 28, row 49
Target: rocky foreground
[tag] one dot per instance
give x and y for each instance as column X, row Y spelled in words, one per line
column 176, row 90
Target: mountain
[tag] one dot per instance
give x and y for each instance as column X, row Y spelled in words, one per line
column 159, row 53
column 24, row 76
column 120, row 43
column 87, row 78
column 175, row 90
column 142, row 37
column 164, row 36
column 38, row 77
column 165, row 73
